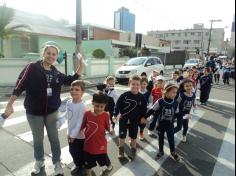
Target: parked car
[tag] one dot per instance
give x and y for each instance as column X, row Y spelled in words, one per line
column 142, row 66
column 191, row 62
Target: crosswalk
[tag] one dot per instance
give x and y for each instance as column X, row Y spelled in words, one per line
column 144, row 165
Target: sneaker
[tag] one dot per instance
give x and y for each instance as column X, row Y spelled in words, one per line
column 141, row 136
column 184, row 139
column 58, row 170
column 106, row 171
column 37, row 167
column 175, row 156
column 159, row 155
column 121, row 154
column 132, row 154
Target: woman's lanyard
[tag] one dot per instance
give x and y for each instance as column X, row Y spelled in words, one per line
column 49, row 77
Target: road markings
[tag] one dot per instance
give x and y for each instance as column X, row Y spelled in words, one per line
column 225, row 164
column 145, row 164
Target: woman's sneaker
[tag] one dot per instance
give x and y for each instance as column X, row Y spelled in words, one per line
column 37, row 167
column 58, row 170
column 175, row 156
column 159, row 155
column 184, row 139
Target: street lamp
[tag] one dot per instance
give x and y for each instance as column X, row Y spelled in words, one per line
column 209, row 42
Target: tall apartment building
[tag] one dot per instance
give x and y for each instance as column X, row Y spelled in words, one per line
column 124, row 20
column 192, row 39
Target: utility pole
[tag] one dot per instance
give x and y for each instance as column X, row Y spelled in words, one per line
column 209, row 41
column 78, row 31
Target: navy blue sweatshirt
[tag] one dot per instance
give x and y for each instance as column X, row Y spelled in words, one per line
column 131, row 106
column 205, row 83
column 165, row 108
column 33, row 80
column 185, row 103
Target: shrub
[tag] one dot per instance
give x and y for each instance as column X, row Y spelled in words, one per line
column 99, row 54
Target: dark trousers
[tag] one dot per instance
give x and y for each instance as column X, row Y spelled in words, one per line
column 168, row 127
column 77, row 153
column 204, row 96
column 217, row 78
column 181, row 123
column 113, row 124
column 153, row 123
column 226, row 77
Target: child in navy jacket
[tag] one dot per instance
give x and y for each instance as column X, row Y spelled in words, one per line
column 186, row 100
column 166, row 108
column 205, row 86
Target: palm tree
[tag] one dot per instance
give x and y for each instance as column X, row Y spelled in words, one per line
column 6, row 31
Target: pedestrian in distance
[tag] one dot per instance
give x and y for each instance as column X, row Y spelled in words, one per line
column 174, row 78
column 205, row 86
column 157, row 93
column 166, row 108
column 96, row 123
column 148, row 97
column 186, row 100
column 152, row 80
column 108, row 87
column 75, row 110
column 130, row 110
column 42, row 83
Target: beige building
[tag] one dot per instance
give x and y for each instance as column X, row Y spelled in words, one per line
column 191, row 39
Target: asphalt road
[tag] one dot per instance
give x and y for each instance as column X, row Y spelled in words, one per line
column 210, row 149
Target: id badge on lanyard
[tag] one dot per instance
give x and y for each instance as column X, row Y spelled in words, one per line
column 49, row 92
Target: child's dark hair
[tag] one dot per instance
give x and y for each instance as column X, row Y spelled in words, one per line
column 100, row 97
column 79, row 83
column 135, row 78
column 144, row 79
column 176, row 72
column 181, row 86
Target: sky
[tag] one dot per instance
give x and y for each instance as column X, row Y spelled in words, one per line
column 150, row 14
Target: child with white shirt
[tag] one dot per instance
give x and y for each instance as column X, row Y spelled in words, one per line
column 75, row 110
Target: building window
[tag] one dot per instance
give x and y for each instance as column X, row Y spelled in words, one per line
column 207, row 33
column 84, row 34
column 161, row 35
column 166, row 35
column 199, row 34
column 173, row 34
column 192, row 33
column 197, row 41
column 177, row 42
column 186, row 34
column 25, row 45
column 179, row 34
column 187, row 42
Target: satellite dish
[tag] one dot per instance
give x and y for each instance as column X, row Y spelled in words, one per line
column 61, row 55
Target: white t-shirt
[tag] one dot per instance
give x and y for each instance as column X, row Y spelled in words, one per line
column 74, row 115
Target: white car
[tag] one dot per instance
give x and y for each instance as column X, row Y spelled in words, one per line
column 142, row 66
column 192, row 62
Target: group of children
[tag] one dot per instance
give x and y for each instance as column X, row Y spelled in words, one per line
column 164, row 101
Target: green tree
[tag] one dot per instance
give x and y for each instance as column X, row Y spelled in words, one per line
column 6, row 31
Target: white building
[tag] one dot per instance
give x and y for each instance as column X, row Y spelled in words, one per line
column 192, row 39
